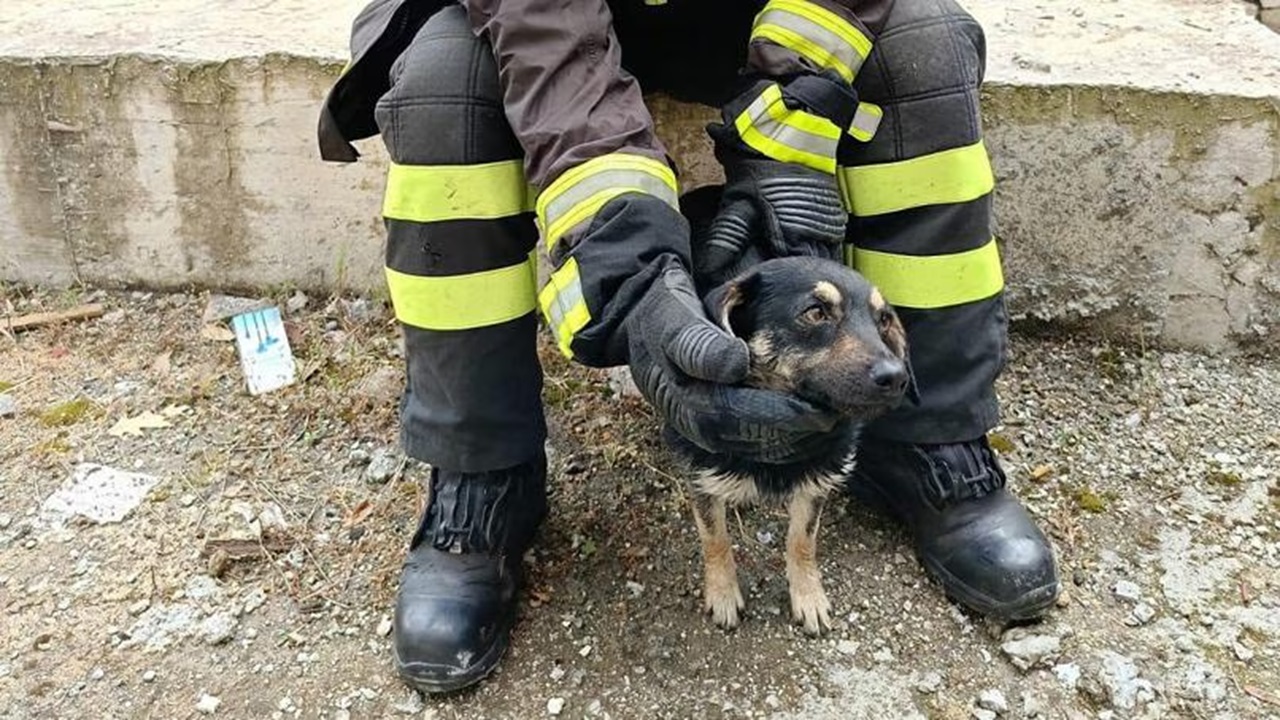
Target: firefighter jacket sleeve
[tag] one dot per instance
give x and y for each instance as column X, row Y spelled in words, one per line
column 589, row 147
column 780, row 133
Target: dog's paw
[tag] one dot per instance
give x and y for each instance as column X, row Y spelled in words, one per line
column 810, row 607
column 723, row 601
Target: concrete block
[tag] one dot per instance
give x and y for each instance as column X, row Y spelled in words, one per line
column 1137, row 147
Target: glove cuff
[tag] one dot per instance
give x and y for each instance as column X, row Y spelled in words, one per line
column 800, row 120
column 630, row 242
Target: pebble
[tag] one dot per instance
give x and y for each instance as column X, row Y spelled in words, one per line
column 1142, row 614
column 846, row 647
column 1243, row 654
column 410, row 704
column 636, row 589
column 297, row 302
column 384, row 627
column 994, row 701
column 208, row 704
column 218, row 628
column 555, row 706
column 929, row 683
column 8, row 406
column 139, row 607
column 1030, row 651
column 383, row 465
column 883, row 655
column 97, row 674
column 585, row 651
column 557, row 673
column 254, row 600
column 981, row 714
column 1127, row 591
column 149, row 676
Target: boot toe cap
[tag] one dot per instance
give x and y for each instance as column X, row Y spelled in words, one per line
column 443, row 644
column 1007, row 572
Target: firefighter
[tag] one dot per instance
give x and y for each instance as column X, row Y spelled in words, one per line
column 850, row 129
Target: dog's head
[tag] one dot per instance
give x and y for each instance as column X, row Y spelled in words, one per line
column 819, row 330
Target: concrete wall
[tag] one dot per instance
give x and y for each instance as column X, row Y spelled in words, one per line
column 1143, row 211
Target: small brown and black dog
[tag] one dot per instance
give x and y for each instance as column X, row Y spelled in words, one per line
column 819, row 330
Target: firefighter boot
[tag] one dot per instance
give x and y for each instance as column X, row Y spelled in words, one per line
column 458, row 588
column 970, row 533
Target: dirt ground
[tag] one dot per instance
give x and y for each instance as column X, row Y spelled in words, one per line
column 256, row 578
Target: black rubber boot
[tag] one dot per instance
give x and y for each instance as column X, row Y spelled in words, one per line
column 972, row 536
column 458, row 589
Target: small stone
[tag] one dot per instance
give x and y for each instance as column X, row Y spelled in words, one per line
column 208, row 704
column 410, row 704
column 846, row 647
column 994, row 701
column 929, row 683
column 5, row 522
column 149, row 676
column 223, row 307
column 97, row 674
column 358, row 456
column 1243, row 654
column 384, row 627
column 380, row 388
column 585, row 651
column 218, row 628
column 557, row 673
column 982, row 714
column 297, row 302
column 1032, row 706
column 1127, row 591
column 254, row 600
column 883, row 655
column 1142, row 614
column 635, row 588
column 1030, row 651
column 555, row 706
column 384, row 464
column 285, row 704
column 8, row 405
column 772, row 701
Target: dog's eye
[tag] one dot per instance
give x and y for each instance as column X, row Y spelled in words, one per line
column 814, row 314
column 885, row 320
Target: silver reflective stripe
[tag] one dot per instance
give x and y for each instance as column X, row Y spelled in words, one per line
column 866, row 121
column 789, row 135
column 607, row 180
column 815, row 33
column 565, row 298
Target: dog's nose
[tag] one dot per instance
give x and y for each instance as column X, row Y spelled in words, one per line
column 889, row 375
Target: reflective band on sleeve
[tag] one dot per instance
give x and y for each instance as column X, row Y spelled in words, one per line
column 564, row 305
column 579, row 193
column 430, row 193
column 786, row 135
column 866, row 122
column 932, row 281
column 942, row 178
column 464, row 302
column 815, row 33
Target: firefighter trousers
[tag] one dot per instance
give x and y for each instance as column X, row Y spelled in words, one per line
column 461, row 237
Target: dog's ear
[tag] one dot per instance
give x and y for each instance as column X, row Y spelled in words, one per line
column 895, row 336
column 723, row 302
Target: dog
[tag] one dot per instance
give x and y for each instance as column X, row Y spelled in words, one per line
column 820, row 331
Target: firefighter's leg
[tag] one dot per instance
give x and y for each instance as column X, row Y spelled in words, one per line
column 462, row 280
column 919, row 195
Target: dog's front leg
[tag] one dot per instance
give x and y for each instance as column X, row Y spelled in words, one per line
column 809, row 604
column 720, row 592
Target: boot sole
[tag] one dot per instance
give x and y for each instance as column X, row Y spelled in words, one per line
column 1030, row 606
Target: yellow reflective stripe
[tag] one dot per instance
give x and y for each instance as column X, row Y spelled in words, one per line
column 776, row 131
column 933, row 281
column 815, row 33
column 464, row 302
column 579, row 193
column 564, row 305
column 430, row 193
column 942, row 178
column 866, row 121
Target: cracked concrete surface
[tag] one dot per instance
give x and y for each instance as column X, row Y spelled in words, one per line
column 1137, row 146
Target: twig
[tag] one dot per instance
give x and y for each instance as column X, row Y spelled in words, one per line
column 34, row 320
column 1258, row 693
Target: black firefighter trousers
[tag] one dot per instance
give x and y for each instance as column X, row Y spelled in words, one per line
column 461, row 237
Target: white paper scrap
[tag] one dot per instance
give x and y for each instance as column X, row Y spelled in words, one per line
column 265, row 356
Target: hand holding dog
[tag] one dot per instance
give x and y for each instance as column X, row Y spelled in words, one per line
column 688, row 369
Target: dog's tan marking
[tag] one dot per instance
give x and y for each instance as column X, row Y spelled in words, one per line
column 876, row 300
column 721, row 595
column 733, row 297
column 827, row 293
column 809, row 604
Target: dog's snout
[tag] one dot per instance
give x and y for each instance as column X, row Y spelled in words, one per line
column 889, row 375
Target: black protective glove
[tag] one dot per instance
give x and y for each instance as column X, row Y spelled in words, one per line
column 772, row 208
column 687, row 367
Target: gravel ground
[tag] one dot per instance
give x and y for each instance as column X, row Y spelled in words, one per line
column 255, row 578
